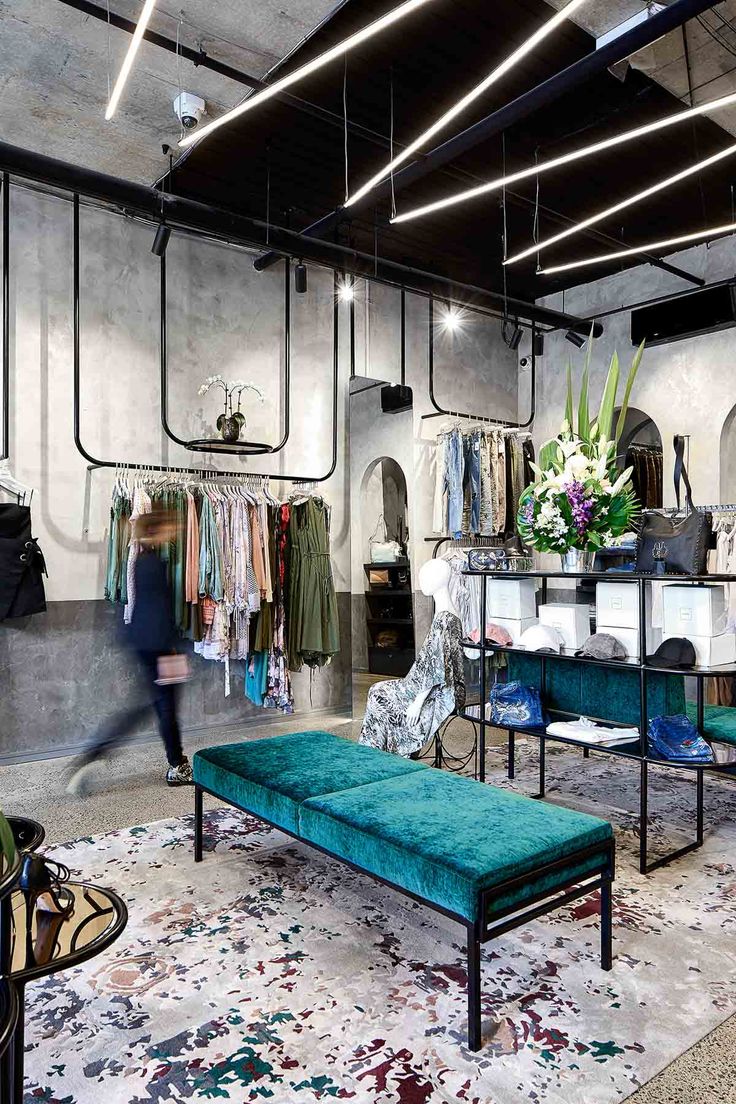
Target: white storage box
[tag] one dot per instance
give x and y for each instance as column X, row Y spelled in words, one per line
column 514, row 626
column 711, row 651
column 694, row 610
column 571, row 621
column 512, row 598
column 629, row 638
column 618, row 604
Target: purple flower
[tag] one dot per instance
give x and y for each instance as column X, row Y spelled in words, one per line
column 581, row 505
column 528, row 513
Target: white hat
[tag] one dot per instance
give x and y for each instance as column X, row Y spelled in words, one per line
column 541, row 638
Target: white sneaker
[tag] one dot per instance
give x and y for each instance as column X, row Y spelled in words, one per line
column 181, row 775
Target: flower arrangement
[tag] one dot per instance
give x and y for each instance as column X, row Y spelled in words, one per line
column 580, row 499
column 230, row 423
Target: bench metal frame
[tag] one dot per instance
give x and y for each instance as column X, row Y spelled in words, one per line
column 491, row 922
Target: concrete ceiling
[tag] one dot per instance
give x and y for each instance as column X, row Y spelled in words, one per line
column 711, row 51
column 54, row 74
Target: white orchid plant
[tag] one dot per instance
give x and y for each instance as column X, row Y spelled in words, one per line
column 235, row 387
column 580, row 499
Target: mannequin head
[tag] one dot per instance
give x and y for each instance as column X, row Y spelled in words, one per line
column 434, row 575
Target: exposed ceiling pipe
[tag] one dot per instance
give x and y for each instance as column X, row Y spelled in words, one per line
column 227, row 225
column 521, row 108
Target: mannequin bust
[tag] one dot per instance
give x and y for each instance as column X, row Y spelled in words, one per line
column 434, row 581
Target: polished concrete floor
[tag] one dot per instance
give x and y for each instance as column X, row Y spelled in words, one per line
column 130, row 789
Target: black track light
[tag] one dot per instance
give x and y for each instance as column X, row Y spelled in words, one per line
column 161, row 241
column 575, row 339
column 514, row 340
column 300, row 278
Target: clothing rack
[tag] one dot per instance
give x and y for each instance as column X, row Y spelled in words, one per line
column 5, row 384
column 94, row 463
column 440, row 412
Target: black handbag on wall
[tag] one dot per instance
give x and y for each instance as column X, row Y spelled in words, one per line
column 680, row 541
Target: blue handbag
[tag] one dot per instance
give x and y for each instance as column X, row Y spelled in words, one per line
column 515, row 704
column 678, row 738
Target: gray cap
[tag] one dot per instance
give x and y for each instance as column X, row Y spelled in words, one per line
column 602, row 646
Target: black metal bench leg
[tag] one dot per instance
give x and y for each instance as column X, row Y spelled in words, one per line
column 606, row 925
column 197, row 824
column 512, row 755
column 474, row 1033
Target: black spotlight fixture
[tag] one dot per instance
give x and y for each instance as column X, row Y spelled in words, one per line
column 161, row 241
column 538, row 344
column 514, row 340
column 575, row 339
column 300, row 279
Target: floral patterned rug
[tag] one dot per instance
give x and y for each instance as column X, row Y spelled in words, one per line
column 270, row 973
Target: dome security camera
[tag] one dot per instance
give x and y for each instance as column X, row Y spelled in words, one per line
column 189, row 109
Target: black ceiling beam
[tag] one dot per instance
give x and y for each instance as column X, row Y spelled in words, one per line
column 644, row 34
column 218, row 222
column 203, row 60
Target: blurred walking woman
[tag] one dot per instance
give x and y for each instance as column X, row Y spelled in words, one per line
column 151, row 638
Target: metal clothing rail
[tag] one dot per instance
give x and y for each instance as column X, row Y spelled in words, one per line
column 95, row 463
column 245, row 448
column 5, row 453
column 440, row 411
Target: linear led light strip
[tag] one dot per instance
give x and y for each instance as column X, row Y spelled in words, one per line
column 129, row 58
column 629, row 202
column 468, row 99
column 337, row 51
column 565, row 159
column 700, row 234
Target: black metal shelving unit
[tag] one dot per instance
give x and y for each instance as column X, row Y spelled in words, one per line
column 390, row 608
column 639, row 752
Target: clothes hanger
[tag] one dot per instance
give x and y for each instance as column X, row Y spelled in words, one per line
column 13, row 486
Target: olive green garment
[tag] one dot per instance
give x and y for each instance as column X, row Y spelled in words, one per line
column 313, row 630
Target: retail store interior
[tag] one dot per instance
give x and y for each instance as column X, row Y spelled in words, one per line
column 367, row 551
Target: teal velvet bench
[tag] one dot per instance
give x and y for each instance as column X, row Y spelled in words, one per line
column 487, row 858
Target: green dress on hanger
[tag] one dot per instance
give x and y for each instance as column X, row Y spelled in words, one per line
column 313, row 628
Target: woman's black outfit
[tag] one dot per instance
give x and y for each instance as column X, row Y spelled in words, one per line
column 22, row 567
column 151, row 634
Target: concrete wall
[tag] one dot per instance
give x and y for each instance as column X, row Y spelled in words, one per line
column 56, row 669
column 684, row 386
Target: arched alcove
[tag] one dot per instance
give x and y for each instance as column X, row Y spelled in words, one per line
column 640, row 446
column 383, row 503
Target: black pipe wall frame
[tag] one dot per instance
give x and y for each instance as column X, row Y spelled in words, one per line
column 5, row 386
column 439, row 411
column 95, row 463
column 199, row 446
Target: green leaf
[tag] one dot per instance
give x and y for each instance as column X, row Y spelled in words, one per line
column 7, row 843
column 569, row 403
column 627, row 393
column 583, row 411
column 547, row 454
column 608, row 402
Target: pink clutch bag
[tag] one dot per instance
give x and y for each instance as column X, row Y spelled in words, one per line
column 173, row 669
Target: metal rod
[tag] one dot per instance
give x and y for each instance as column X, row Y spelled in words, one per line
column 230, row 226
column 6, row 320
column 541, row 96
column 403, row 337
column 482, row 680
column 643, row 812
column 465, row 414
column 164, row 367
column 76, row 345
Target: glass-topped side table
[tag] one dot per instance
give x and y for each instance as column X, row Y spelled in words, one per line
column 44, row 943
column 28, row 834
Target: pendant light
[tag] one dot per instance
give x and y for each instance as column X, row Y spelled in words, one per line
column 495, row 75
column 127, row 65
column 565, row 159
column 339, row 50
column 629, row 202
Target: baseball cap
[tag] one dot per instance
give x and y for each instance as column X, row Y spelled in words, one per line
column 541, row 638
column 602, row 646
column 497, row 634
column 678, row 651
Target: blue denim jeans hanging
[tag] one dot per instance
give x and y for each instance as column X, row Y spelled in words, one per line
column 455, row 466
column 471, row 481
